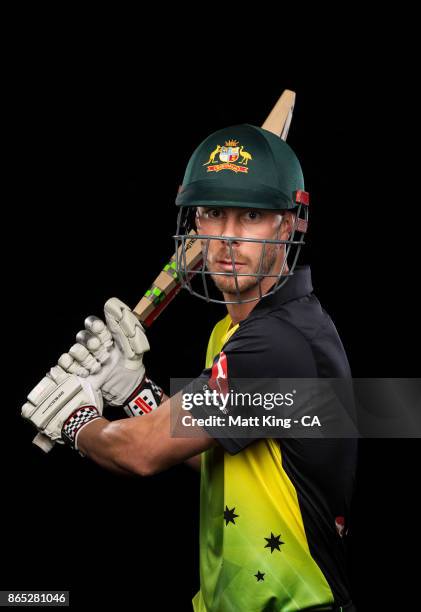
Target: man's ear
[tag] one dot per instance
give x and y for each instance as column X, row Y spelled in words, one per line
column 288, row 220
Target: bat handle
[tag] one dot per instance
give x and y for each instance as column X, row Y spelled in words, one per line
column 43, row 442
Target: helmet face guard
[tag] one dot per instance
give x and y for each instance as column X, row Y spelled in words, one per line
column 195, row 279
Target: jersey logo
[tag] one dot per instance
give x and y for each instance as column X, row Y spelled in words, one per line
column 219, row 376
column 228, row 155
column 340, row 525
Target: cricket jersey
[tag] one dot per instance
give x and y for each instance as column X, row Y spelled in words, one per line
column 275, row 512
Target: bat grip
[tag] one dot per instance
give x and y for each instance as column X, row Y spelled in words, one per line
column 43, row 442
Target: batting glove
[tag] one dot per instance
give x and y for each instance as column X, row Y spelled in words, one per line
column 61, row 405
column 110, row 357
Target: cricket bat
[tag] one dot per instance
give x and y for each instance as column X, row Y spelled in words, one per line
column 168, row 283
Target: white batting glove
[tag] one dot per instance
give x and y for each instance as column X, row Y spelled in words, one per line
column 110, row 357
column 61, row 405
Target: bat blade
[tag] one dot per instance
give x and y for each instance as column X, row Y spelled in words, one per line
column 168, row 283
column 279, row 119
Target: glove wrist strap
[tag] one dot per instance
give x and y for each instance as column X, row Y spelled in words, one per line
column 145, row 398
column 78, row 419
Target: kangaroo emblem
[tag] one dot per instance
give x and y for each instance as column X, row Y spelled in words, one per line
column 212, row 155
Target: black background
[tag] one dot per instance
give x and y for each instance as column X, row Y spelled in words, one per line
column 101, row 134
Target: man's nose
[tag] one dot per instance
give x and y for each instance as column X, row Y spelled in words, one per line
column 231, row 227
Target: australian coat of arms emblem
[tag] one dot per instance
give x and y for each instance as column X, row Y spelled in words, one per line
column 228, row 155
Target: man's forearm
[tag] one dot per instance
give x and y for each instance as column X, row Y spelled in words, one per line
column 143, row 445
column 120, row 446
column 105, row 442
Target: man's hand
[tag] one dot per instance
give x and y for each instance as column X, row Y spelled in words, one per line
column 61, row 404
column 106, row 362
column 110, row 356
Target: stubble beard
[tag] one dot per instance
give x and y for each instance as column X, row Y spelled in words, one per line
column 227, row 284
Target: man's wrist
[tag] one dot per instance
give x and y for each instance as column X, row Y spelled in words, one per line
column 76, row 422
column 89, row 436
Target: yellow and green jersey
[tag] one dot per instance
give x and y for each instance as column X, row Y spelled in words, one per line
column 274, row 512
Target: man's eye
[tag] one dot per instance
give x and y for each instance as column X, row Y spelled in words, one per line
column 253, row 215
column 214, row 213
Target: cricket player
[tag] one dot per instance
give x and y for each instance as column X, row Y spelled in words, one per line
column 274, row 511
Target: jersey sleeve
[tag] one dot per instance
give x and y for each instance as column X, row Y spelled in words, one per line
column 266, row 348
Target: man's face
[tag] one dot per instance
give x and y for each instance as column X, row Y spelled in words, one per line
column 243, row 223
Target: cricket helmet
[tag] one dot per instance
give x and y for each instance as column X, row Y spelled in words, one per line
column 247, row 167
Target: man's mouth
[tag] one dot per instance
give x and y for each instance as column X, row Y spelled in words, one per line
column 228, row 264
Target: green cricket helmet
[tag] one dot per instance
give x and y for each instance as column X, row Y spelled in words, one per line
column 247, row 167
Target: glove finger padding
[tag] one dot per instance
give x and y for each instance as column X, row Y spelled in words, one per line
column 68, row 363
column 98, row 328
column 83, row 357
column 58, row 374
column 94, row 345
column 43, row 390
column 89, row 340
column 127, row 332
column 50, row 403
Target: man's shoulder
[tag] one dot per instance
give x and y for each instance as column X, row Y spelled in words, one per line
column 267, row 327
column 270, row 346
column 309, row 323
column 297, row 338
column 296, row 321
